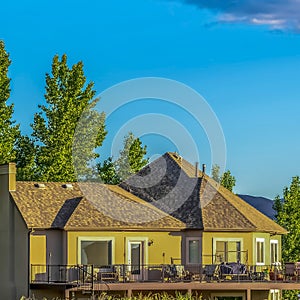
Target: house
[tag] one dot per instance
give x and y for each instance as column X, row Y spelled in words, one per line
column 73, row 239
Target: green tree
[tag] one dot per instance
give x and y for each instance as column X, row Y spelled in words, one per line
column 107, row 172
column 25, row 159
column 215, row 173
column 69, row 99
column 8, row 131
column 132, row 157
column 228, row 180
column 288, row 216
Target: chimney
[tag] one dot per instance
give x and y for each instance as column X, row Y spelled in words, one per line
column 11, row 238
column 203, row 168
column 8, row 176
column 196, row 169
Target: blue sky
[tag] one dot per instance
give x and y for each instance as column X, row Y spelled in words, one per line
column 243, row 57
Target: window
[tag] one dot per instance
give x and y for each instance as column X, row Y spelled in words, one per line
column 193, row 250
column 228, row 296
column 95, row 251
column 228, row 250
column 274, row 251
column 275, row 294
column 260, row 251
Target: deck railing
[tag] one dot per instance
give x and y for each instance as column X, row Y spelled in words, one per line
column 118, row 273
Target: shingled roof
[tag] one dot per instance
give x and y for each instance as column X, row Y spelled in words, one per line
column 171, row 184
column 168, row 194
column 87, row 206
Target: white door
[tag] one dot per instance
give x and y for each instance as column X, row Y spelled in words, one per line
column 136, row 259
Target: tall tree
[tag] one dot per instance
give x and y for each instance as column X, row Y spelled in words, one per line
column 288, row 216
column 8, row 131
column 107, row 172
column 69, row 99
column 215, row 173
column 25, row 159
column 228, row 180
column 132, row 157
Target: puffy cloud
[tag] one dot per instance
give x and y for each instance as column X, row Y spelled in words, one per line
column 277, row 14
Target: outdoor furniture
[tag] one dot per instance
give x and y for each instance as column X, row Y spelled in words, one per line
column 107, row 274
column 176, row 273
column 155, row 273
column 233, row 271
column 211, row 272
column 290, row 271
column 276, row 272
column 256, row 273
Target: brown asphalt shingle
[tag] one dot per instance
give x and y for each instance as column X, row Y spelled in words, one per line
column 87, row 206
column 206, row 205
column 165, row 195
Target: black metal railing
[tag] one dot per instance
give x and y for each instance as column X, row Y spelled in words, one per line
column 118, row 273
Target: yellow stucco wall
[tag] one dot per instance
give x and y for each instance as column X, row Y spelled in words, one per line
column 165, row 245
column 37, row 254
column 38, row 249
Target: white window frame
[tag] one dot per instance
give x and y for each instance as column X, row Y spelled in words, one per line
column 224, row 239
column 276, row 243
column 95, row 239
column 273, row 294
column 188, row 239
column 260, row 240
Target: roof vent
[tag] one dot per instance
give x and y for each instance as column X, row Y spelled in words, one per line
column 178, row 157
column 203, row 168
column 40, row 185
column 67, row 186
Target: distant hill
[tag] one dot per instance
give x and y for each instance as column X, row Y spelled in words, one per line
column 262, row 204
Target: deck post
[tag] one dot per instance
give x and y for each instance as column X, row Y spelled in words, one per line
column 129, row 293
column 248, row 294
column 67, row 294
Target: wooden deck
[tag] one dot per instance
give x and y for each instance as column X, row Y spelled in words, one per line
column 186, row 287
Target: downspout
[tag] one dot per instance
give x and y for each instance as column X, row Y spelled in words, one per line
column 30, row 230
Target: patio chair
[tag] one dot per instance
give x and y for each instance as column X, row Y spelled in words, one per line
column 211, row 272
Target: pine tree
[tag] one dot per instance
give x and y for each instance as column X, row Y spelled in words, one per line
column 8, row 131
column 69, row 99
